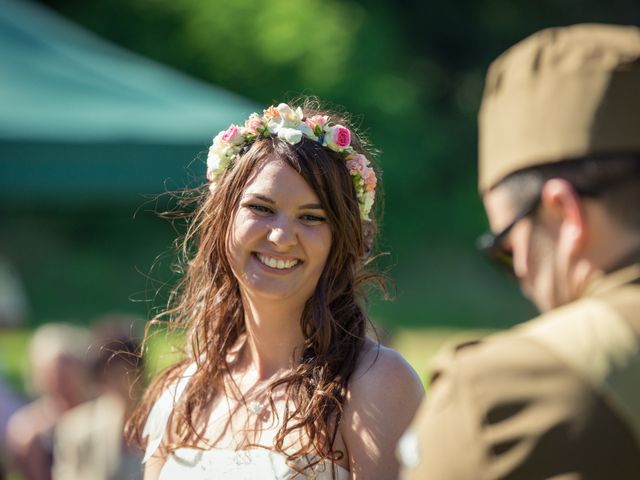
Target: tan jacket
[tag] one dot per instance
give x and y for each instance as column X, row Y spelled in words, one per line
column 558, row 397
column 88, row 444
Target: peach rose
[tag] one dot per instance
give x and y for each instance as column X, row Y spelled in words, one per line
column 271, row 113
column 253, row 124
column 317, row 122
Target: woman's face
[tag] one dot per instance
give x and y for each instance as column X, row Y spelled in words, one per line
column 279, row 239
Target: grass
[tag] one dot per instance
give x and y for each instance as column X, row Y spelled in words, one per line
column 417, row 345
column 420, row 346
column 13, row 356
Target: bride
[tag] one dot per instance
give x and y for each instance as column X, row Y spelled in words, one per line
column 279, row 378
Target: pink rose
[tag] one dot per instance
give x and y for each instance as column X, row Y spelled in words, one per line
column 357, row 162
column 354, row 167
column 232, row 135
column 253, row 124
column 338, row 138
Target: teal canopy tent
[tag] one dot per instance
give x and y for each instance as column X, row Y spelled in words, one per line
column 83, row 119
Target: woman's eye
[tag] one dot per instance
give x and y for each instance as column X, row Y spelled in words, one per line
column 313, row 219
column 259, row 209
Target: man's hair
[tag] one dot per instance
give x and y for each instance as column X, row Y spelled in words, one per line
column 612, row 179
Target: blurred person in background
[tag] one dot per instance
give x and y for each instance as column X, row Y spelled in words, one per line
column 59, row 378
column 9, row 404
column 89, row 439
column 558, row 397
column 13, row 312
column 280, row 378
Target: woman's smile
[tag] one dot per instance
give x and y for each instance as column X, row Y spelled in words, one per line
column 277, row 263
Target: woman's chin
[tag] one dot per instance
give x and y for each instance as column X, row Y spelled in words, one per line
column 269, row 292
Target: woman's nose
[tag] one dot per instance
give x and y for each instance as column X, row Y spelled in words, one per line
column 283, row 233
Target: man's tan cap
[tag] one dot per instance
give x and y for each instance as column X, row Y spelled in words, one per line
column 560, row 94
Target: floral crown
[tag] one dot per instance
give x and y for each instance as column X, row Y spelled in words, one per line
column 291, row 125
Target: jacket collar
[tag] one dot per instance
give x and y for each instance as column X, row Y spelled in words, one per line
column 625, row 272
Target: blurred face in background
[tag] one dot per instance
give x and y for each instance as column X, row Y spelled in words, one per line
column 63, row 377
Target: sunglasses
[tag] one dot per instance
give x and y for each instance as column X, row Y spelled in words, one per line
column 491, row 244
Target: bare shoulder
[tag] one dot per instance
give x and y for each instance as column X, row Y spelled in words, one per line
column 381, row 369
column 383, row 395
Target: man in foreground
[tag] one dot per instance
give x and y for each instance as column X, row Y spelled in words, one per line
column 558, row 397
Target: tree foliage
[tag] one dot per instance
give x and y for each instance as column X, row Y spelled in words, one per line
column 411, row 70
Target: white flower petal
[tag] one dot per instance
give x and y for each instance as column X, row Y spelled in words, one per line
column 291, row 135
column 307, row 131
column 218, row 138
column 213, row 160
column 367, row 200
column 273, row 126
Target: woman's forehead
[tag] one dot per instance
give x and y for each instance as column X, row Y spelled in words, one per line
column 276, row 177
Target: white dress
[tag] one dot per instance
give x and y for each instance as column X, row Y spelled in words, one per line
column 195, row 464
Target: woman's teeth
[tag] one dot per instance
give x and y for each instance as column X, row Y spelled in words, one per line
column 276, row 262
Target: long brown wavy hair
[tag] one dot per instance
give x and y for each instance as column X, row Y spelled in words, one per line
column 207, row 303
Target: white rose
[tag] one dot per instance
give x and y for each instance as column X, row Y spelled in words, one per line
column 291, row 135
column 288, row 116
column 307, row 131
column 213, row 159
column 273, row 126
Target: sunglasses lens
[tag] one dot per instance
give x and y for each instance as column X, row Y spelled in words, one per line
column 491, row 246
column 491, row 243
column 505, row 260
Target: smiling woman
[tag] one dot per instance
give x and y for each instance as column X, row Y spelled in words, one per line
column 280, row 239
column 279, row 378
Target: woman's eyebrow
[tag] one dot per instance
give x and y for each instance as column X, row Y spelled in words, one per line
column 264, row 198
column 312, row 206
column 259, row 196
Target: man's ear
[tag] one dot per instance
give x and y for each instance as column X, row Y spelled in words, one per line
column 565, row 206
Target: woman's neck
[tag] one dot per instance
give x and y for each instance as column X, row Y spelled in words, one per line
column 274, row 335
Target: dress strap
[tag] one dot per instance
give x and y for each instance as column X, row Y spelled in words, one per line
column 159, row 415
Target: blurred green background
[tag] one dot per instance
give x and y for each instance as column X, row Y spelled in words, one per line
column 77, row 225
